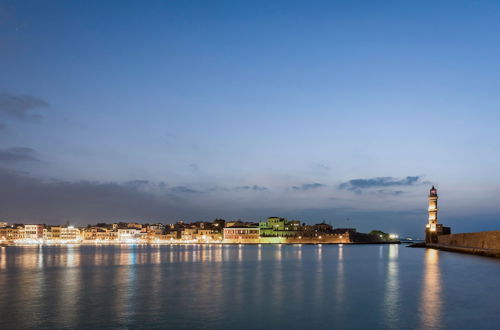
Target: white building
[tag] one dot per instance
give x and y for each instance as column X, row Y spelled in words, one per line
column 128, row 234
column 33, row 232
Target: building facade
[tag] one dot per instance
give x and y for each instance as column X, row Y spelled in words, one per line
column 242, row 235
column 33, row 232
column 279, row 227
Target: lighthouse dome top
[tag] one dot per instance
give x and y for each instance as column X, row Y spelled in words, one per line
column 433, row 192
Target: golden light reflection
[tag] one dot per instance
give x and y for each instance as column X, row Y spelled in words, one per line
column 156, row 257
column 320, row 275
column 278, row 294
column 278, row 253
column 258, row 291
column 72, row 258
column 218, row 253
column 340, row 279
column 240, row 252
column 32, row 284
column 431, row 301
column 391, row 297
column 71, row 284
column 40, row 257
column 225, row 254
column 3, row 258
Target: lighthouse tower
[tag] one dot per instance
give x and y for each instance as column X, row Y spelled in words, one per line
column 433, row 209
column 433, row 229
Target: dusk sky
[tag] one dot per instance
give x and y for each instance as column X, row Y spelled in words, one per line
column 157, row 111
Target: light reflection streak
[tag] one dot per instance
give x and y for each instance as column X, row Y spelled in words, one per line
column 3, row 258
column 218, row 253
column 298, row 288
column 156, row 281
column 278, row 253
column 238, row 290
column 259, row 279
column 156, row 257
column 391, row 297
column 340, row 279
column 70, row 285
column 431, row 302
column 31, row 284
column 278, row 277
column 319, row 274
column 40, row 257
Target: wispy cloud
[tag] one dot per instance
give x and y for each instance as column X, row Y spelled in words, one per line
column 184, row 190
column 29, row 198
column 389, row 192
column 359, row 185
column 23, row 107
column 254, row 188
column 13, row 155
column 308, row 186
column 237, row 188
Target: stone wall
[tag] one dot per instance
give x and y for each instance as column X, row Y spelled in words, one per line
column 345, row 238
column 480, row 240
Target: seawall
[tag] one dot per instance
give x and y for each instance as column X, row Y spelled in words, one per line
column 345, row 238
column 485, row 243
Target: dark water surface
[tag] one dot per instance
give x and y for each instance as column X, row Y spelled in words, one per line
column 247, row 287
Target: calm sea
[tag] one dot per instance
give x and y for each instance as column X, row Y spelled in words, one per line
column 247, row 287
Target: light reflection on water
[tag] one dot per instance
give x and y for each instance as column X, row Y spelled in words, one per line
column 392, row 290
column 431, row 300
column 245, row 287
column 339, row 285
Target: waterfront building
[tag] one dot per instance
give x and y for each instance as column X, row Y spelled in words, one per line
column 52, row 233
column 242, row 235
column 187, row 234
column 99, row 233
column 70, row 233
column 156, row 227
column 11, row 233
column 207, row 235
column 128, row 234
column 33, row 232
column 279, row 227
column 61, row 233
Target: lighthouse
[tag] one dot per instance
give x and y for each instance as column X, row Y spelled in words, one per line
column 433, row 229
column 433, row 209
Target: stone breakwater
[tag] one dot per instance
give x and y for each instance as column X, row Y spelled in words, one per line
column 485, row 243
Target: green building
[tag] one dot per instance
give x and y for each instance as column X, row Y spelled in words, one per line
column 279, row 227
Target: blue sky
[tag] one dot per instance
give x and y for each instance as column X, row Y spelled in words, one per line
column 162, row 110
